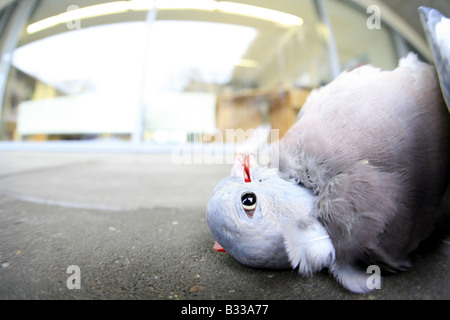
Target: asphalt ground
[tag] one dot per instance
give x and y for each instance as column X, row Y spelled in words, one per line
column 134, row 226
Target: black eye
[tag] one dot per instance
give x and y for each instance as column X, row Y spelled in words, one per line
column 248, row 201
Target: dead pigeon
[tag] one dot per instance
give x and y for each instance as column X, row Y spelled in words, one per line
column 360, row 179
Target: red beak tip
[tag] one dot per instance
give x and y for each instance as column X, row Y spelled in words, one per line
column 218, row 247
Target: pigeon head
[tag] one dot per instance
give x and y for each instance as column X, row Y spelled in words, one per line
column 248, row 210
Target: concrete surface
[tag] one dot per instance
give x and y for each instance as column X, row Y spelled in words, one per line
column 135, row 226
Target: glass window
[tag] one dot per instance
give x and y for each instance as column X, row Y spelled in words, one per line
column 170, row 71
column 230, row 67
column 161, row 71
column 357, row 43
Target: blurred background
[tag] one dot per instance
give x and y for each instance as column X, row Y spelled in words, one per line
column 156, row 73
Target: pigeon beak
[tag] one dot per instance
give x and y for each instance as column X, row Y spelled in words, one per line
column 218, row 247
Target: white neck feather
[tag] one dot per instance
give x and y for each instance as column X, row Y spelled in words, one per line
column 310, row 249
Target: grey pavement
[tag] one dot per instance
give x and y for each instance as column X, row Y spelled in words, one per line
column 135, row 226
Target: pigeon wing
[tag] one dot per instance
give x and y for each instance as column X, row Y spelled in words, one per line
column 437, row 30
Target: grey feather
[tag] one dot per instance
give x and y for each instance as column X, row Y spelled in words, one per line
column 437, row 30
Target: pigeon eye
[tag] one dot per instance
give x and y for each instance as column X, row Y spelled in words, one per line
column 248, row 201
